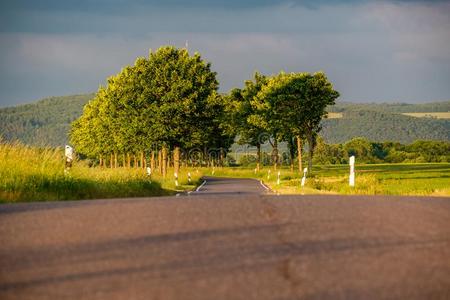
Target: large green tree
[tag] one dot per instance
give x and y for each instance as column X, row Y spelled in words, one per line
column 246, row 121
column 160, row 100
column 294, row 104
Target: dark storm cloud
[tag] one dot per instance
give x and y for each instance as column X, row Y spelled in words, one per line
column 371, row 50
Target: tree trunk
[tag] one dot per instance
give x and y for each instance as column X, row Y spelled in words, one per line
column 176, row 160
column 291, row 149
column 128, row 160
column 221, row 157
column 258, row 156
column 115, row 160
column 164, row 161
column 206, row 156
column 160, row 161
column 142, row 159
column 299, row 151
column 311, row 151
column 111, row 161
column 135, row 164
column 100, row 161
column 152, row 161
column 275, row 154
column 124, row 161
column 291, row 161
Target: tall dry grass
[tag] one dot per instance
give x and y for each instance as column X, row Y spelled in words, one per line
column 37, row 174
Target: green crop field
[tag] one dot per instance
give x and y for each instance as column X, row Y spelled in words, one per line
column 431, row 179
column 37, row 174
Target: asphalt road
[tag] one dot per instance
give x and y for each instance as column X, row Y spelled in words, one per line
column 229, row 240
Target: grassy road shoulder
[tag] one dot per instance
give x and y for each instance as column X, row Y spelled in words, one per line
column 37, row 174
column 432, row 179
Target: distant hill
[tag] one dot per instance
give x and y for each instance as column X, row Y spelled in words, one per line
column 47, row 122
column 382, row 126
column 43, row 123
column 443, row 106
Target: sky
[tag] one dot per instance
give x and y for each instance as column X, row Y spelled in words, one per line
column 372, row 51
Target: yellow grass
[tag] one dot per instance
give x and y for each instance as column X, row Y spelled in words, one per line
column 436, row 115
column 37, row 174
column 334, row 115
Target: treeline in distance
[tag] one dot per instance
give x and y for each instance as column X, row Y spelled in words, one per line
column 367, row 152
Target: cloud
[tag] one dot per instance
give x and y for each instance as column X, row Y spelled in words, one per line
column 370, row 50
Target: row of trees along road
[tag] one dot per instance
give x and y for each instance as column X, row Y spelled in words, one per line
column 285, row 107
column 169, row 102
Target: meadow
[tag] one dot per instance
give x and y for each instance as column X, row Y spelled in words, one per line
column 38, row 174
column 431, row 179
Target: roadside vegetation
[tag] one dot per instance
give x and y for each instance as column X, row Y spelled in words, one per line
column 38, row 174
column 430, row 179
column 366, row 151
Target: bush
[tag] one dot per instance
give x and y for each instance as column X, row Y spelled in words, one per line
column 247, row 160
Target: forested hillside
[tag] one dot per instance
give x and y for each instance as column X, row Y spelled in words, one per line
column 383, row 126
column 443, row 106
column 47, row 121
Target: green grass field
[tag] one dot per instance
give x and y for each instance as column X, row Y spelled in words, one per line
column 431, row 179
column 33, row 174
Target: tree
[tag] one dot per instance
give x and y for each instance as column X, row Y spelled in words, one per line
column 265, row 118
column 251, row 133
column 161, row 100
column 219, row 131
column 177, row 88
column 361, row 148
column 295, row 104
column 328, row 154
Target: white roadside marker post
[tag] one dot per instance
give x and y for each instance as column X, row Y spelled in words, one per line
column 176, row 179
column 255, row 170
column 278, row 178
column 214, row 170
column 189, row 177
column 149, row 173
column 69, row 158
column 268, row 175
column 352, row 171
column 305, row 170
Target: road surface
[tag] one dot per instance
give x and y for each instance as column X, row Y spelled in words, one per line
column 229, row 240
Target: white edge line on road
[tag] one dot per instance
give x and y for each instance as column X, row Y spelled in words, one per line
column 198, row 189
column 263, row 185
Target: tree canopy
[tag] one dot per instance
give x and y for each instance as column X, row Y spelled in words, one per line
column 294, row 104
column 163, row 100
